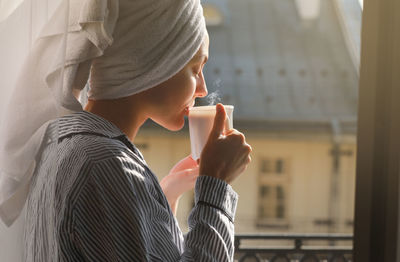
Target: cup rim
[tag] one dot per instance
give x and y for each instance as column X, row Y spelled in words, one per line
column 209, row 108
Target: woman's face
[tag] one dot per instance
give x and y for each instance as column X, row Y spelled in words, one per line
column 170, row 101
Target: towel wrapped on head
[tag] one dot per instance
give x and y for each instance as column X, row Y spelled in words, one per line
column 147, row 51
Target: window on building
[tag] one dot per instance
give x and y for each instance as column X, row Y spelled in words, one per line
column 273, row 191
column 212, row 15
column 272, row 167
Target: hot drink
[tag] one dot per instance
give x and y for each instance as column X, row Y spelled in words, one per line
column 201, row 120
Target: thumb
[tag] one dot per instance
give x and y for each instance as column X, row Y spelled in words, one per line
column 219, row 122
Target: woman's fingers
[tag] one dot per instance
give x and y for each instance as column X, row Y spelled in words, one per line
column 186, row 163
column 219, row 122
column 175, row 184
column 225, row 157
column 189, row 173
column 237, row 137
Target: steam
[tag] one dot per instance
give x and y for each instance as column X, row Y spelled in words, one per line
column 214, row 97
column 217, row 83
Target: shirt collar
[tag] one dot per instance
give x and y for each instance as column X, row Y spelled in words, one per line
column 86, row 122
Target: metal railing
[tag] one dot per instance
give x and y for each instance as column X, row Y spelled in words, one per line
column 294, row 247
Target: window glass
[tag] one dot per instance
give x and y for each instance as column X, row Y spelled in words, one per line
column 291, row 70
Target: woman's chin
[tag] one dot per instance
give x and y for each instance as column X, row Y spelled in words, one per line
column 174, row 125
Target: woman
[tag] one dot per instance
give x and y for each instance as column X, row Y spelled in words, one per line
column 92, row 196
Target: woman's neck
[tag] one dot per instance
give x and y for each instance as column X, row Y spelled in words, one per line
column 125, row 113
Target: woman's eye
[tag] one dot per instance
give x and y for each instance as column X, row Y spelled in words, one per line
column 197, row 72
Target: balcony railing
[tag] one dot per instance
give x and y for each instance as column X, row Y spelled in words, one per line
column 294, row 247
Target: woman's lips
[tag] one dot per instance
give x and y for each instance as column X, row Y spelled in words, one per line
column 186, row 110
column 188, row 107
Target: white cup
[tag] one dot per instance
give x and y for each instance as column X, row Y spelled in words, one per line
column 201, row 121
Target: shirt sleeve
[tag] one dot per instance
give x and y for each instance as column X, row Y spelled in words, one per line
column 211, row 234
column 110, row 215
column 118, row 217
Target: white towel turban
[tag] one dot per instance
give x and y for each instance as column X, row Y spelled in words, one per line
column 127, row 46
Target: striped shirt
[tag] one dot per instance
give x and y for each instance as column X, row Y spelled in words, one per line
column 93, row 198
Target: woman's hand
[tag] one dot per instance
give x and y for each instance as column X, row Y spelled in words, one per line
column 180, row 179
column 225, row 155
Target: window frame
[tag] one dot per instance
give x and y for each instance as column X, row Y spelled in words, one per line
column 376, row 230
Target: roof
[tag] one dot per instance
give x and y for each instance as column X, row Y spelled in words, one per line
column 275, row 67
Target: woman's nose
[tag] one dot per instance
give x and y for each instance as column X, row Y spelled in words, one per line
column 201, row 89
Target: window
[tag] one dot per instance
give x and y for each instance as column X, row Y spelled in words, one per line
column 361, row 3
column 273, row 190
column 272, row 166
column 308, row 9
column 212, row 15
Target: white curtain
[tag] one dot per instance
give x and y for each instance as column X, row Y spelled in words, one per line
column 11, row 245
column 20, row 24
